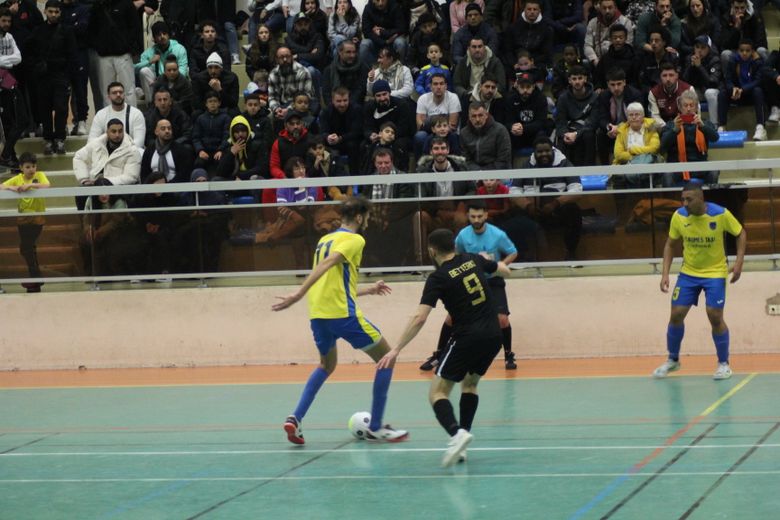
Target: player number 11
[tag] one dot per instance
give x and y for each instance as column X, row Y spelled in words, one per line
column 326, row 245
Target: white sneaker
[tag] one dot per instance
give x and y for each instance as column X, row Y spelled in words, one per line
column 81, row 129
column 760, row 134
column 668, row 366
column 456, row 447
column 246, row 48
column 774, row 115
column 387, row 434
column 139, row 93
column 721, row 129
column 723, row 372
column 235, row 59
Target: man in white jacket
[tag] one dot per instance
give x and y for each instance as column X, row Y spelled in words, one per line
column 111, row 156
column 132, row 118
column 9, row 57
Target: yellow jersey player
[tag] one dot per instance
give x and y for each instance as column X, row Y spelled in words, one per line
column 332, row 296
column 700, row 226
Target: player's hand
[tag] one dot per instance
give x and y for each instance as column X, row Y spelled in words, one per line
column 381, row 288
column 286, row 301
column 665, row 283
column 388, row 360
column 736, row 272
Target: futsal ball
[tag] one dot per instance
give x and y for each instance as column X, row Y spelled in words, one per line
column 358, row 424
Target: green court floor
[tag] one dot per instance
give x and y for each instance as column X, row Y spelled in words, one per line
column 621, row 447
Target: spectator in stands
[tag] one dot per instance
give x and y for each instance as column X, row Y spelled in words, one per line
column 384, row 108
column 486, row 144
column 613, row 110
column 457, row 10
column 528, row 112
column 111, row 156
column 200, row 237
column 308, row 48
column 52, row 50
column 343, row 24
column 262, row 53
column 341, row 125
column 475, row 28
column 151, row 64
column 532, row 33
column 26, row 16
column 388, row 138
column 217, row 79
column 621, row 55
column 166, row 155
column 576, row 119
column 346, row 71
column 293, row 141
column 382, row 160
column 663, row 16
column 686, row 139
column 268, row 13
column 423, row 82
column 662, row 98
column 598, row 34
column 177, row 84
column 201, row 52
column 562, row 210
column 480, row 61
column 651, row 61
column 318, row 17
column 698, row 21
column 741, row 22
column 565, row 18
column 113, row 26
column 439, row 101
column 157, row 228
column 301, row 105
column 560, row 71
column 390, row 69
column 489, row 94
column 637, row 142
column 165, row 109
column 427, row 33
column 702, row 71
column 11, row 98
column 244, row 157
column 771, row 84
column 743, row 87
column 383, row 25
column 440, row 127
column 210, row 133
column 285, row 80
column 76, row 16
column 134, row 124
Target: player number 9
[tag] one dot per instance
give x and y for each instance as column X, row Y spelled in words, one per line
column 474, row 286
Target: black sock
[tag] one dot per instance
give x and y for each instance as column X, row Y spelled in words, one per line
column 468, row 409
column 446, row 416
column 444, row 337
column 507, row 333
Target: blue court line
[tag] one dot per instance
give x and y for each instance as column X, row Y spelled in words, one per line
column 612, row 486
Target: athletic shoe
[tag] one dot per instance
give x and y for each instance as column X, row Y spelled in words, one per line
column 509, row 361
column 139, row 93
column 59, row 147
column 246, row 48
column 721, row 129
column 760, row 134
column 774, row 115
column 293, row 429
column 668, row 366
column 81, row 128
column 48, row 148
column 431, row 363
column 456, row 447
column 235, row 59
column 723, row 372
column 387, row 434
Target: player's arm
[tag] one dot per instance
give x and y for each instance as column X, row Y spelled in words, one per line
column 736, row 269
column 380, row 288
column 503, row 270
column 332, row 259
column 412, row 328
column 669, row 246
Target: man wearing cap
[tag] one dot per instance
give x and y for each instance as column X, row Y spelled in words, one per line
column 152, row 61
column 308, row 48
column 532, row 33
column 528, row 113
column 475, row 28
column 702, row 70
column 293, row 141
column 287, row 78
column 384, row 108
column 480, row 61
column 113, row 26
column 220, row 80
column 383, row 24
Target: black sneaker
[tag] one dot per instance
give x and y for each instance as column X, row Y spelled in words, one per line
column 48, row 148
column 509, row 361
column 10, row 163
column 431, row 363
column 59, row 147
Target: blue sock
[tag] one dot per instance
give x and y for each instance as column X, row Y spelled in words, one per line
column 674, row 337
column 316, row 379
column 381, row 384
column 722, row 346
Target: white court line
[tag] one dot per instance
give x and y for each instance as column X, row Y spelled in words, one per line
column 288, row 451
column 385, row 477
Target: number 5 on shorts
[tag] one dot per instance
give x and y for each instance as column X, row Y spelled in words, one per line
column 474, row 286
column 675, row 294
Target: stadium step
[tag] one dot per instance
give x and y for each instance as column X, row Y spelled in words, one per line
column 19, row 270
column 58, row 234
column 47, row 254
column 36, row 144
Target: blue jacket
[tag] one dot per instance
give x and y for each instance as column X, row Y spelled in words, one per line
column 210, row 131
column 423, row 82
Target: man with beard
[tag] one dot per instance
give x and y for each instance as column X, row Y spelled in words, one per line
column 621, row 55
column 346, row 71
column 286, row 79
column 384, row 108
column 479, row 62
column 597, row 33
column 292, row 142
column 341, row 127
column 167, row 156
column 11, row 99
column 528, row 112
column 111, row 156
column 612, row 105
column 663, row 16
column 474, row 28
column 551, row 211
column 245, row 158
column 133, row 120
column 575, row 121
column 217, row 79
column 485, row 143
column 487, row 92
column 663, row 96
column 532, row 33
column 165, row 109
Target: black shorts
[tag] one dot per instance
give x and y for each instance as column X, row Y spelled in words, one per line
column 498, row 288
column 467, row 355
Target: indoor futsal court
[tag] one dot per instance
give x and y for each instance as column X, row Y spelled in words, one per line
column 559, row 439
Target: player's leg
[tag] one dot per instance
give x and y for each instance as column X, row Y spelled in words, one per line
column 469, row 400
column 441, row 346
column 506, row 335
column 685, row 294
column 715, row 293
column 439, row 397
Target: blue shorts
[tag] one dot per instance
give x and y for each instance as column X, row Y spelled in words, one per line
column 358, row 332
column 686, row 291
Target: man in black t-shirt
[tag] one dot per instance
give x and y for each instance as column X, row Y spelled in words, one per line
column 461, row 284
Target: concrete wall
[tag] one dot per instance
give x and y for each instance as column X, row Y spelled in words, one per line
column 561, row 317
